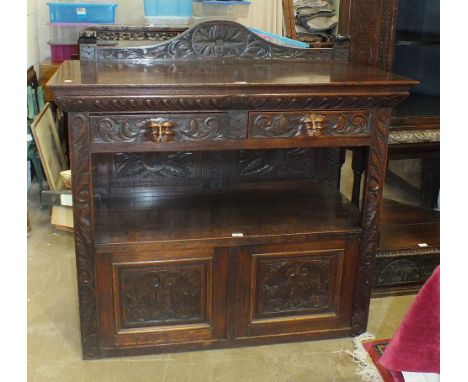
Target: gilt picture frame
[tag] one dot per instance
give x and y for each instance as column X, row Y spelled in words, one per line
column 45, row 134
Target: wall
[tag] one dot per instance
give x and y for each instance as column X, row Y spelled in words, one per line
column 42, row 28
column 266, row 15
column 263, row 14
column 32, row 36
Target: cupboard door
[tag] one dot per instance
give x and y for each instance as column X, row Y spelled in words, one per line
column 295, row 288
column 161, row 297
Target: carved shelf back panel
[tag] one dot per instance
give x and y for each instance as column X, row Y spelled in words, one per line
column 208, row 40
column 262, row 165
column 155, row 168
column 128, row 174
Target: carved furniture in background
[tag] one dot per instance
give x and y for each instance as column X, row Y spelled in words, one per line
column 403, row 37
column 206, row 206
column 409, row 248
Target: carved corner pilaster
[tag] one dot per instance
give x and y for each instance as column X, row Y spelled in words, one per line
column 375, row 178
column 82, row 216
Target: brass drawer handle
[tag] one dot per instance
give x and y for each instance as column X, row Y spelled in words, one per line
column 160, row 130
column 313, row 124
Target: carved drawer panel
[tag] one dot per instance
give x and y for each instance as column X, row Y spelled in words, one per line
column 166, row 127
column 297, row 287
column 174, row 296
column 309, row 124
column 404, row 272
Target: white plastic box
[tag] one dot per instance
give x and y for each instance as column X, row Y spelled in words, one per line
column 167, row 21
column 66, row 33
column 220, row 10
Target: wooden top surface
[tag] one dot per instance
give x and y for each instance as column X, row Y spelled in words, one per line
column 222, row 73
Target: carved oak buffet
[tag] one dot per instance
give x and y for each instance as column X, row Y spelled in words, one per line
column 205, row 194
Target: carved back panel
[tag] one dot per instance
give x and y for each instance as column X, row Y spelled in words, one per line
column 205, row 41
column 154, row 174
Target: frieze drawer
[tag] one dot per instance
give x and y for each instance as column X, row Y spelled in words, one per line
column 309, row 124
column 161, row 128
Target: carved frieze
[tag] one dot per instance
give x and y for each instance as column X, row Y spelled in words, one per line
column 163, row 296
column 285, row 125
column 403, row 270
column 413, row 136
column 294, row 287
column 169, row 127
column 408, row 252
column 227, row 102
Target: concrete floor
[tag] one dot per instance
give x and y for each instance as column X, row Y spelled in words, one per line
column 54, row 352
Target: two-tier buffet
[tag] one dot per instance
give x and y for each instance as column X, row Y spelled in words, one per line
column 205, row 175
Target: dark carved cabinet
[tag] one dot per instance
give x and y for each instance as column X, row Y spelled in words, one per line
column 403, row 36
column 206, row 193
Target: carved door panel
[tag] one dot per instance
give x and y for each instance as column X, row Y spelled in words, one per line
column 161, row 297
column 295, row 288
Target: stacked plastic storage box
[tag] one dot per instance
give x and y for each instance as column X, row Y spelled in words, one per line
column 168, row 13
column 219, row 10
column 67, row 19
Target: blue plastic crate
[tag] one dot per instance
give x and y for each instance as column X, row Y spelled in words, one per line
column 175, row 8
column 82, row 13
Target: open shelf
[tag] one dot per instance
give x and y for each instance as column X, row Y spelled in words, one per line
column 253, row 213
column 405, row 227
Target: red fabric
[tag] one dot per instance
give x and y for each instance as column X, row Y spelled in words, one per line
column 416, row 345
column 375, row 355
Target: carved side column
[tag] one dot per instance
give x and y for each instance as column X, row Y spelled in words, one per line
column 375, row 178
column 82, row 216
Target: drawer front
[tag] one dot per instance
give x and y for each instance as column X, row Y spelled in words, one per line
column 309, row 124
column 168, row 127
column 403, row 272
column 296, row 288
column 155, row 298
